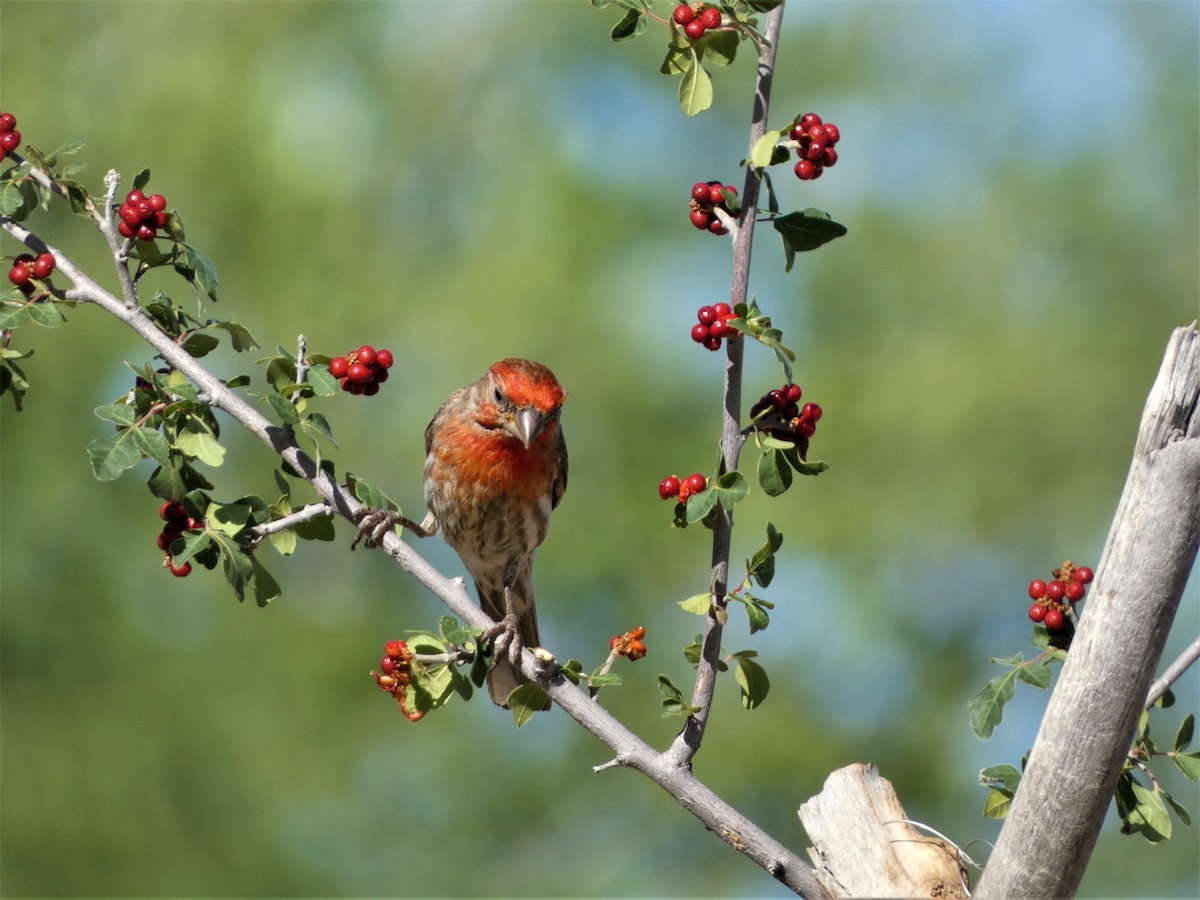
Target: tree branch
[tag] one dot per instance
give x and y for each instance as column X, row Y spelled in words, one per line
column 1081, row 746
column 687, row 743
column 1173, row 673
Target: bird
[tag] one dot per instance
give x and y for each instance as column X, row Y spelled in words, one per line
column 495, row 470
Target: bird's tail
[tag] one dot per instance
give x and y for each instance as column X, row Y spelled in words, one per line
column 503, row 678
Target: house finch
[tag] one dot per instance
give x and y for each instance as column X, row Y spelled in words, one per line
column 495, row 468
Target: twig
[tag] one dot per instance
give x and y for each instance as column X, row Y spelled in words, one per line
column 687, row 743
column 300, row 516
column 1173, row 672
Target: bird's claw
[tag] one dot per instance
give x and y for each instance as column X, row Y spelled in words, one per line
column 505, row 638
column 373, row 524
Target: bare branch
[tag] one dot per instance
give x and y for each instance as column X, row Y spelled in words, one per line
column 1173, row 672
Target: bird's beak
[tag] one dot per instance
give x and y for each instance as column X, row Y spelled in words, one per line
column 526, row 424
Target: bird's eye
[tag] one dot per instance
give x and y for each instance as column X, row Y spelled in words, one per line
column 497, row 394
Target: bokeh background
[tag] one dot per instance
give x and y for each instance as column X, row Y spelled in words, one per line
column 465, row 181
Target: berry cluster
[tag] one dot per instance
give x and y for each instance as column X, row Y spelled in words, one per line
column 713, row 325
column 1054, row 599
column 707, row 196
column 10, row 138
column 142, row 216
column 814, row 145
column 779, row 414
column 26, row 267
column 396, row 666
column 671, row 486
column 629, row 644
column 178, row 521
column 696, row 18
column 362, row 370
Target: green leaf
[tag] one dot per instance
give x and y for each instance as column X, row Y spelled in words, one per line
column 731, row 488
column 284, row 541
column 763, row 152
column 1038, row 675
column 986, row 708
column 318, row 529
column 322, row 383
column 607, row 679
column 774, row 472
column 150, row 442
column 701, row 504
column 230, row 519
column 632, row 24
column 283, row 408
column 366, row 491
column 317, row 426
column 697, row 604
column 1188, row 763
column 757, row 615
column 673, row 701
column 48, row 315
column 805, row 230
column 121, row 413
column 1149, row 815
column 752, row 679
column 720, row 47
column 266, row 588
column 141, row 179
column 1180, row 809
column 762, row 564
column 239, row 336
column 1005, row 776
column 526, row 700
column 112, row 455
column 997, row 803
column 189, row 544
column 695, row 88
column 13, row 316
column 197, row 268
column 196, row 439
column 199, row 344
column 1187, row 728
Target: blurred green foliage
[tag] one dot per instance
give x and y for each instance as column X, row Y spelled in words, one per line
column 466, row 181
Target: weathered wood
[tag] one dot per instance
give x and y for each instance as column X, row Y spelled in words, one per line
column 862, row 846
column 1055, row 818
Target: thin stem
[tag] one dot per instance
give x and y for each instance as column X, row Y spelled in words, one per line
column 1173, row 672
column 687, row 743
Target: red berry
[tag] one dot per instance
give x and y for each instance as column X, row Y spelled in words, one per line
column 805, row 170
column 371, row 388
column 172, row 510
column 384, row 359
column 700, row 192
column 1037, row 589
column 7, row 121
column 180, row 571
column 694, row 29
column 778, row 399
column 707, row 315
column 1037, row 612
column 711, row 17
column 817, row 133
column 683, row 14
column 723, row 310
column 157, row 202
column 129, row 214
column 832, row 135
column 815, row 151
column 134, row 197
column 159, row 220
column 812, row 412
column 792, row 392
column 808, row 120
column 126, row 231
column 806, row 427
column 669, row 487
column 1054, row 619
column 396, row 649
column 696, row 482
column 712, row 342
column 10, row 141
column 18, row 275
column 830, row 157
column 356, row 388
column 1084, row 575
column 716, row 226
column 43, row 265
column 338, row 366
column 1055, row 590
column 1074, row 591
column 164, row 541
column 366, row 355
column 684, row 493
column 719, row 329
column 388, row 665
column 716, row 194
column 818, row 170
column 146, row 233
column 145, row 210
column 358, row 373
column 381, row 375
column 699, row 333
column 700, row 218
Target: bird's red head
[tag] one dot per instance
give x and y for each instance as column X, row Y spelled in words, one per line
column 528, row 383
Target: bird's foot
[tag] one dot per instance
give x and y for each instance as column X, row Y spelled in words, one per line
column 505, row 638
